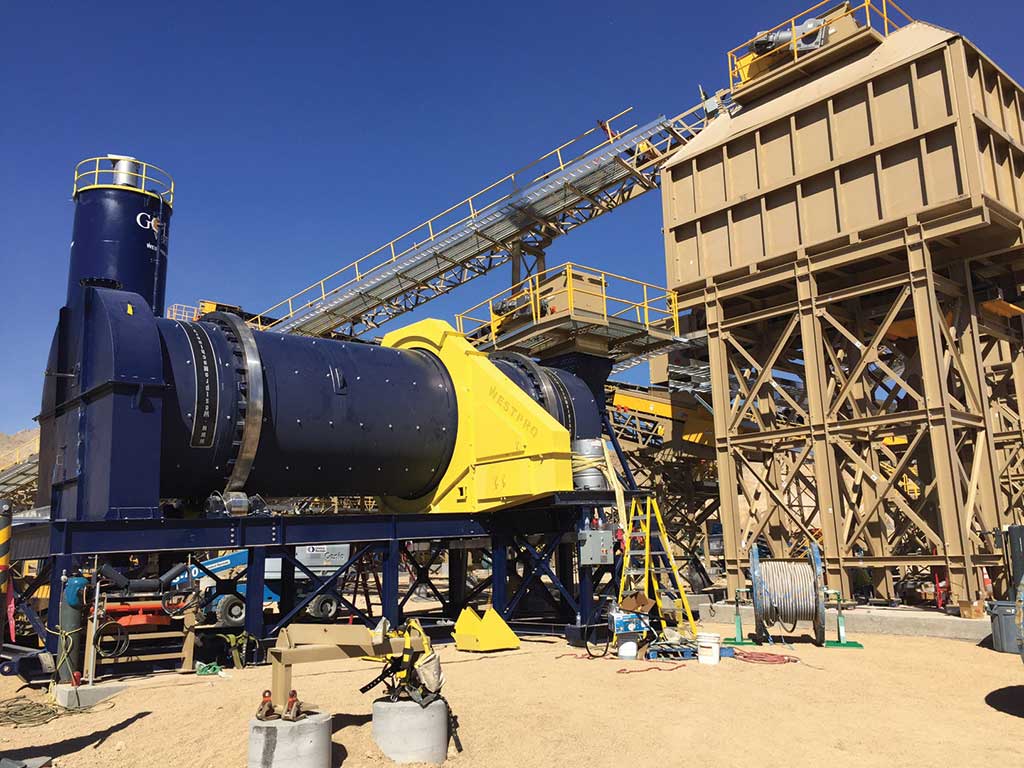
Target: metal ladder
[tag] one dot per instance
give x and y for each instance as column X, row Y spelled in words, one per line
column 647, row 557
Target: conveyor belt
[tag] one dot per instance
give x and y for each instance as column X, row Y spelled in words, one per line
column 404, row 274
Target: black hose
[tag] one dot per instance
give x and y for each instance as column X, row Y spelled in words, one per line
column 592, row 633
column 121, row 642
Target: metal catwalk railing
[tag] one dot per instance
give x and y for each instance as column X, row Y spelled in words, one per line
column 572, row 184
column 18, row 480
column 607, row 296
column 17, row 455
column 786, row 42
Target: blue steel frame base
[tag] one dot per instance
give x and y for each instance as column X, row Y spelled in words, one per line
column 529, row 535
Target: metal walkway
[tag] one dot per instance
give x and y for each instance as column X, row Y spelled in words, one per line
column 18, row 481
column 608, row 167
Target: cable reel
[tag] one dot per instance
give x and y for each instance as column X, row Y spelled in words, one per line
column 785, row 593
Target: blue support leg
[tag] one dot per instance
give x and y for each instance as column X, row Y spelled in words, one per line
column 287, row 593
column 586, row 576
column 499, row 573
column 458, row 570
column 254, row 583
column 392, row 562
column 565, row 570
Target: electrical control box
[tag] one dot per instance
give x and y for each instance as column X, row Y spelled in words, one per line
column 597, row 547
column 627, row 623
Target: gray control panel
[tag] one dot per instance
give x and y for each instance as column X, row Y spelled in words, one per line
column 596, row 547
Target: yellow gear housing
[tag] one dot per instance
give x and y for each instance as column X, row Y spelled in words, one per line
column 508, row 449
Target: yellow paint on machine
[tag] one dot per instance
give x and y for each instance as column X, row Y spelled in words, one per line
column 508, row 449
column 490, row 633
column 1002, row 308
column 698, row 424
column 643, row 405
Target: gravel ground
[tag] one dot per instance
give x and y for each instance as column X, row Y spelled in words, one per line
column 898, row 702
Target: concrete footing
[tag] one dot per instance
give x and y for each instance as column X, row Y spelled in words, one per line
column 875, row 621
column 84, row 696
column 305, row 743
column 409, row 733
column 32, row 762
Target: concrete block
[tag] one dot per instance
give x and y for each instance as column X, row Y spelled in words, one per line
column 83, row 696
column 409, row 733
column 879, row 621
column 31, row 762
column 281, row 744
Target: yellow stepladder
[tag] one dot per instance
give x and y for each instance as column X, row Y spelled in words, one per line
column 643, row 567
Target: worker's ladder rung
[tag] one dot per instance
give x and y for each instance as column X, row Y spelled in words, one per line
column 647, row 557
column 653, row 554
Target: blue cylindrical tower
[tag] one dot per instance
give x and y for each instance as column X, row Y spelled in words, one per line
column 122, row 220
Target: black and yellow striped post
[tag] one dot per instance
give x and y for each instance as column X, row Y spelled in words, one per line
column 6, row 515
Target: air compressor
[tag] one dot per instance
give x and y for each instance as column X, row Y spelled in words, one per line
column 144, row 416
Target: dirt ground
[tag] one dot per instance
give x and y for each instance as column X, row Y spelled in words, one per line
column 898, row 702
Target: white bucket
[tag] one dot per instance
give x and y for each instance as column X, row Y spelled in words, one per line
column 709, row 647
column 628, row 649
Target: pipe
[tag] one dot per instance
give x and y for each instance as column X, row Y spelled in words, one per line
column 71, row 629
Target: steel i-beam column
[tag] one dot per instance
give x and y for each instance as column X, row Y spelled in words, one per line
column 963, row 578
column 974, row 362
column 826, row 475
column 1015, row 513
column 721, row 398
column 875, row 532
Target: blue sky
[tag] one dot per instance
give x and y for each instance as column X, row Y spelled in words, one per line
column 303, row 135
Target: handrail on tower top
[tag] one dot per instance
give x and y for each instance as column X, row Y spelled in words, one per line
column 884, row 16
column 117, row 172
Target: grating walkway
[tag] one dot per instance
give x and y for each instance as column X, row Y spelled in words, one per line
column 479, row 234
column 18, row 481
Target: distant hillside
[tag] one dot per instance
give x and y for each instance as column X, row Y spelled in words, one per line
column 9, row 444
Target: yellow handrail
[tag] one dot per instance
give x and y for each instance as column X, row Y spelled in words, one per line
column 655, row 306
column 149, row 179
column 17, row 455
column 888, row 23
column 185, row 312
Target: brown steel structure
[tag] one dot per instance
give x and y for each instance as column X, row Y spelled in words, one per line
column 668, row 444
column 852, row 237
